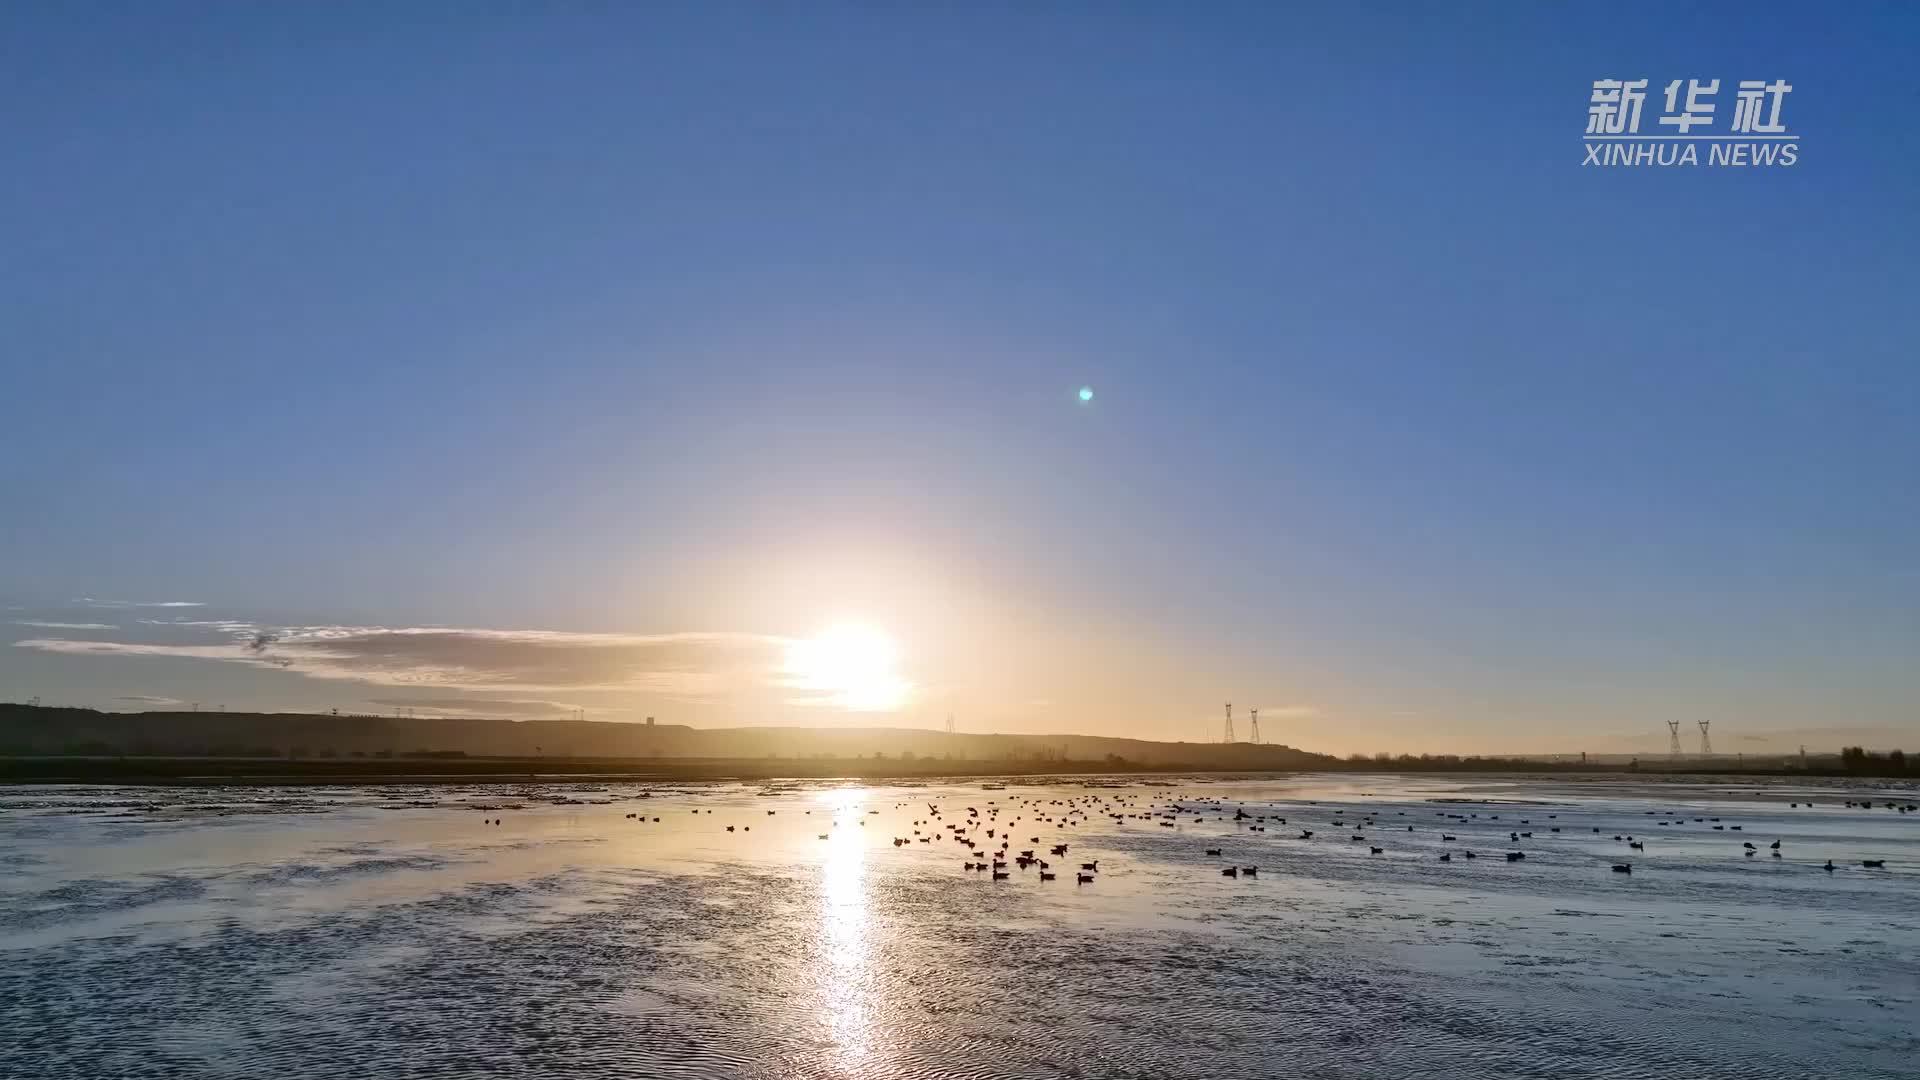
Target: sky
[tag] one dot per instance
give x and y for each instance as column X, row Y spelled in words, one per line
column 721, row 363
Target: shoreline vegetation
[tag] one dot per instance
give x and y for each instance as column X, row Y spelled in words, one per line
column 45, row 744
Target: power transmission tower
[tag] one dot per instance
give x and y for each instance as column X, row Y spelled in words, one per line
column 1706, row 744
column 1673, row 739
column 1229, row 737
column 1256, row 725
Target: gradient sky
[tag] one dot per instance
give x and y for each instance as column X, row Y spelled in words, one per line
column 677, row 333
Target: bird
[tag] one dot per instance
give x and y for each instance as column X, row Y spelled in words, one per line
column 1231, row 871
column 1213, row 851
column 1874, row 864
column 1044, row 876
column 1376, row 850
column 1000, row 875
column 1637, row 846
column 1250, row 871
column 1775, row 845
column 1445, row 857
column 1829, row 867
column 1083, row 879
column 1623, row 868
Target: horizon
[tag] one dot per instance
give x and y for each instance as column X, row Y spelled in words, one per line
column 1056, row 375
column 1771, row 743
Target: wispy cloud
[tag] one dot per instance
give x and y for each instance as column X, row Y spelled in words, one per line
column 477, row 706
column 685, row 666
column 148, row 699
column 1289, row 712
column 65, row 625
column 94, row 602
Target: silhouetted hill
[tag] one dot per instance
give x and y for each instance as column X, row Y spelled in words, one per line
column 28, row 729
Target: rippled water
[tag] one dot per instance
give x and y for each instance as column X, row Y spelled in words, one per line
column 357, row 932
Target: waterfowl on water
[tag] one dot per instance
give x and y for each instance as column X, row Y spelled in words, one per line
column 1231, row 871
column 1084, row 879
column 1376, row 850
column 1873, row 864
column 1623, row 868
column 1445, row 857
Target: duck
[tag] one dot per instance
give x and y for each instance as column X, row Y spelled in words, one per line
column 1083, row 879
column 1376, row 850
column 1231, row 871
column 1873, row 864
column 1250, row 871
column 1044, row 876
column 1446, row 857
column 1213, row 851
column 1623, row 868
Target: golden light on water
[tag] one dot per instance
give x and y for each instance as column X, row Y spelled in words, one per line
column 846, row 989
column 853, row 665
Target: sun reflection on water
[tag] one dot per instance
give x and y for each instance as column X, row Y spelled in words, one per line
column 847, row 999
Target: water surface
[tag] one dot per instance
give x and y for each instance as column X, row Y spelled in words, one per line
column 392, row 931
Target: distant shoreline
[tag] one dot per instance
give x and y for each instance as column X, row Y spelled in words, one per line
column 182, row 771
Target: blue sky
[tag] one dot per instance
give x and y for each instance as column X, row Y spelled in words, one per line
column 723, row 321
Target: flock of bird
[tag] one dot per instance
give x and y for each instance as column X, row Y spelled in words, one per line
column 989, row 836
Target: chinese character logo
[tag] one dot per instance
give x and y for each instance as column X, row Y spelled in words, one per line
column 1690, row 131
column 1615, row 107
column 1693, row 111
column 1748, row 101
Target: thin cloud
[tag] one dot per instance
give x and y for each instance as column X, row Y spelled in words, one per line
column 478, row 706
column 65, row 625
column 148, row 699
column 685, row 666
column 1289, row 712
column 89, row 601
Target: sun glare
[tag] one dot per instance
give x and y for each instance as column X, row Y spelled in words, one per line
column 853, row 665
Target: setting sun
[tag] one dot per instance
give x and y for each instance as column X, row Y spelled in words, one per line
column 853, row 665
